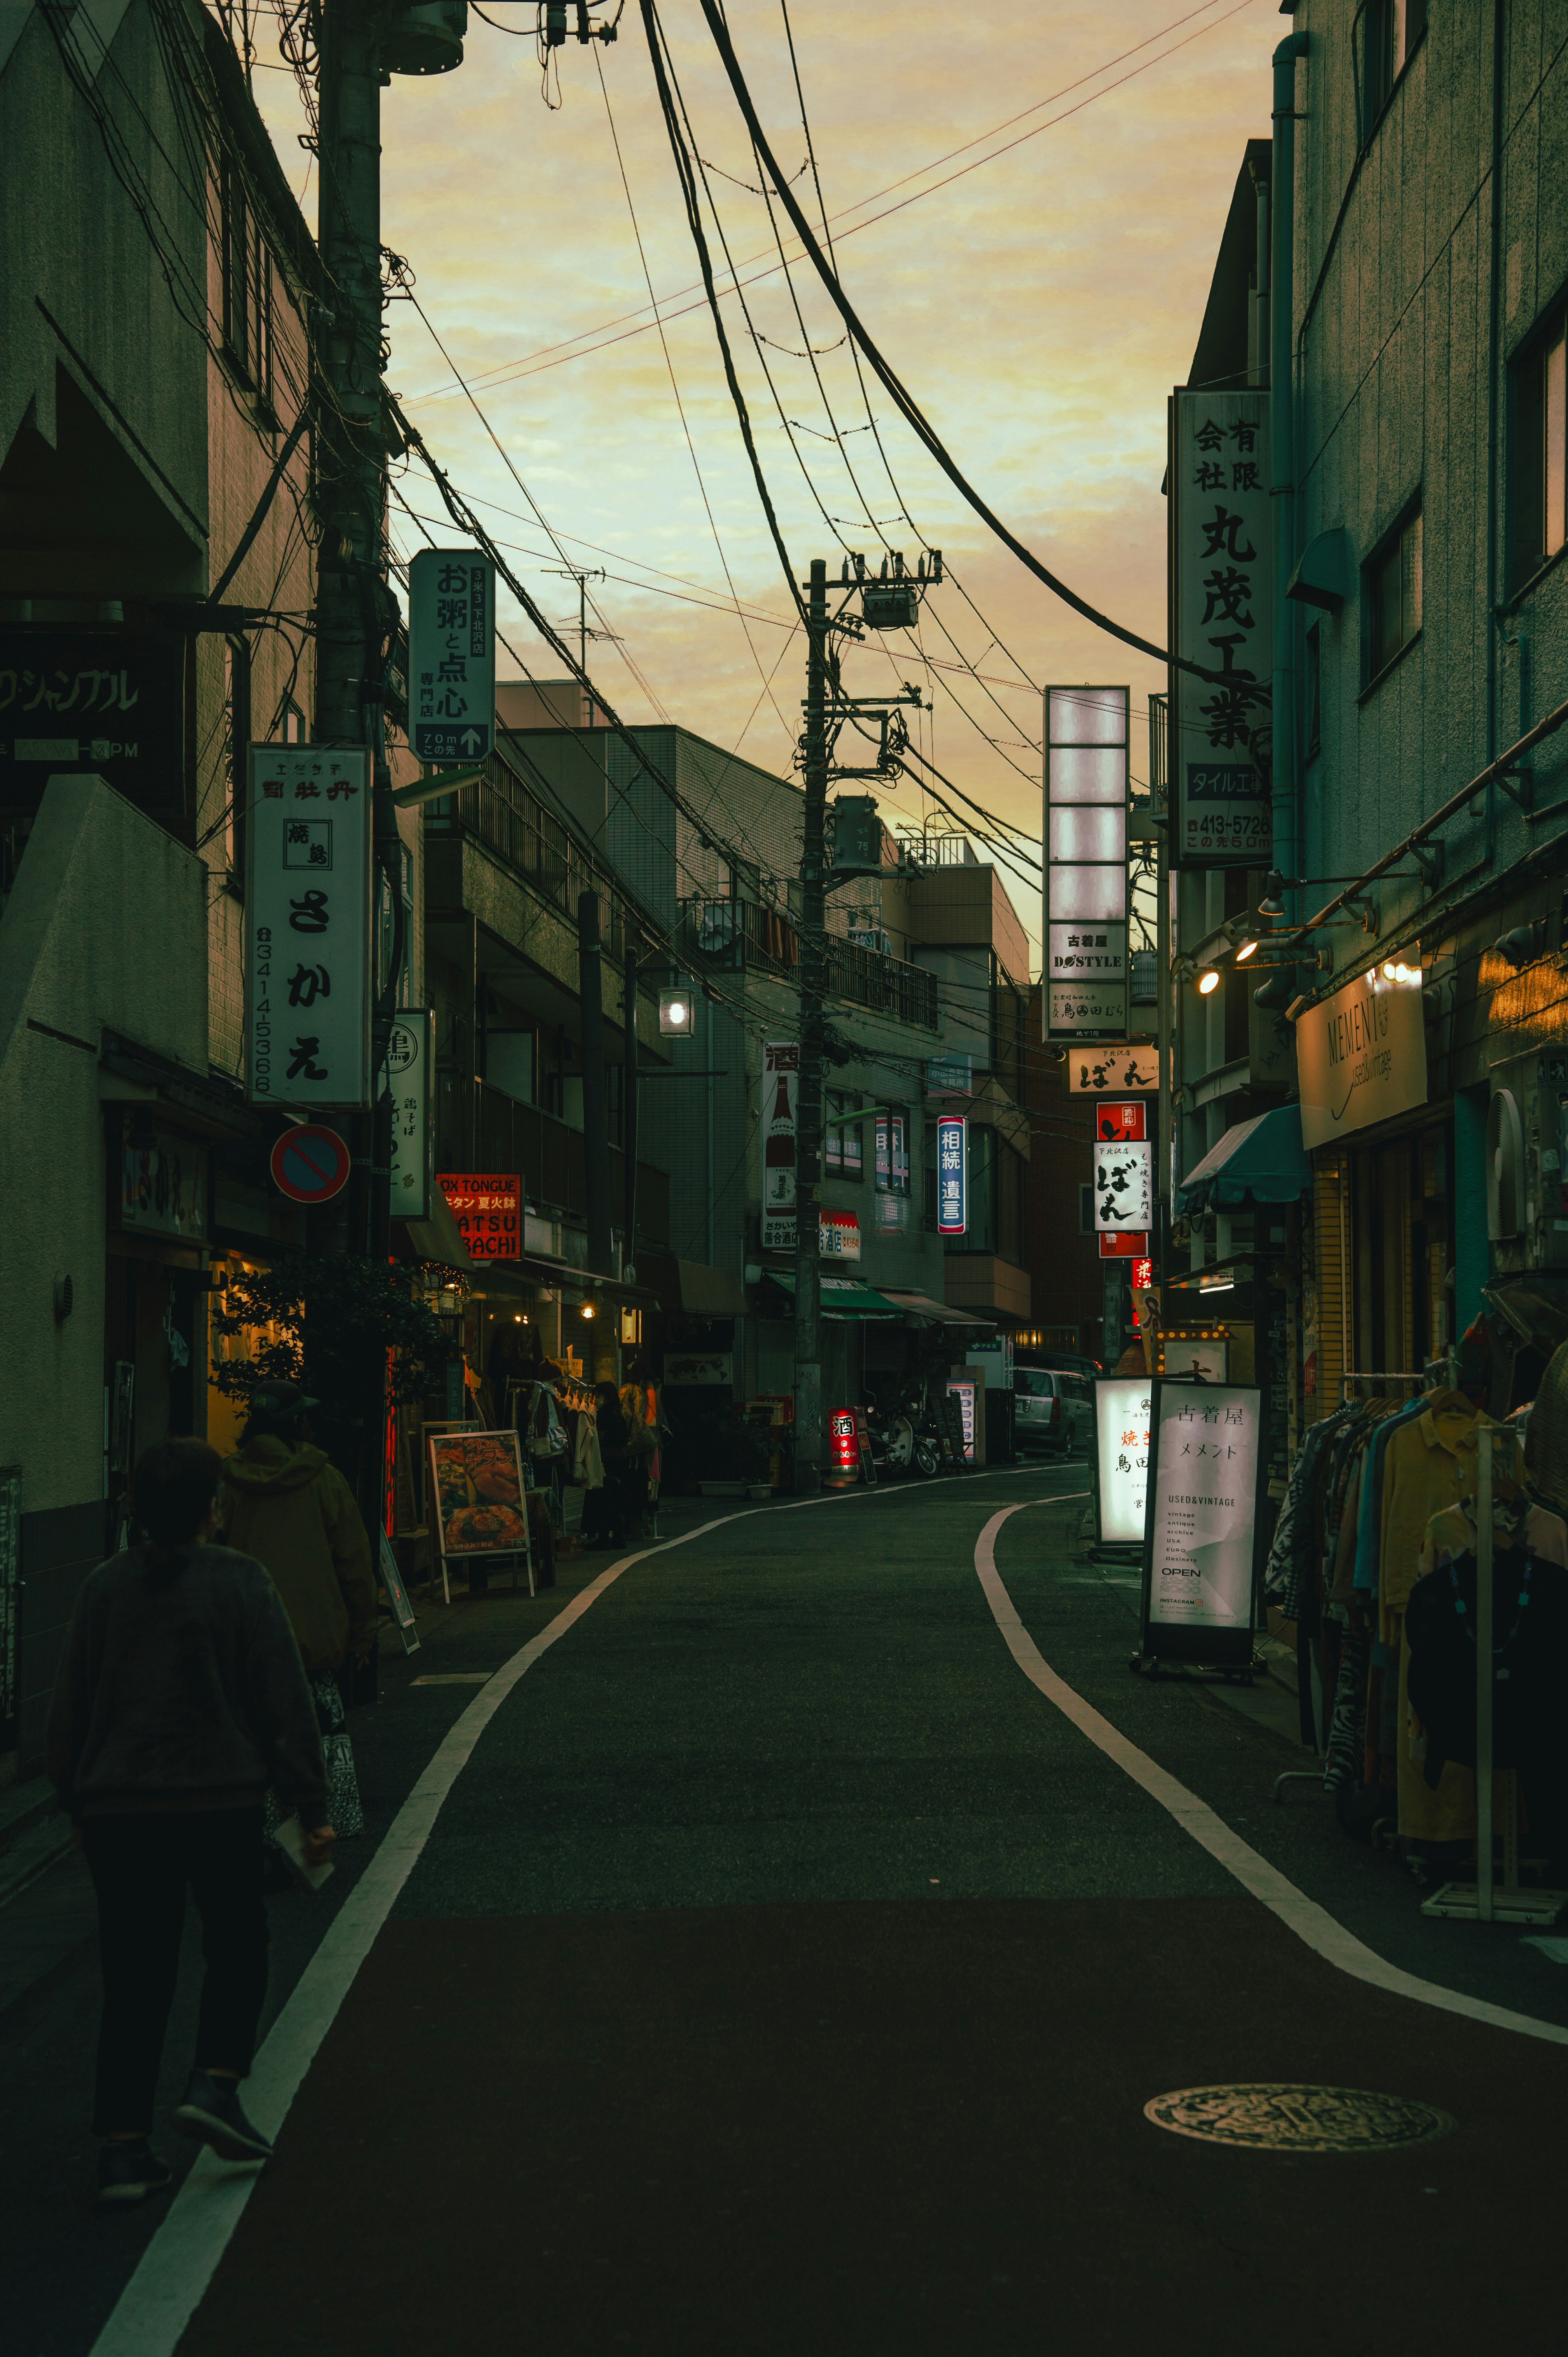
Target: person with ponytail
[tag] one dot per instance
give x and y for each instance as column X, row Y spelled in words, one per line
column 181, row 1699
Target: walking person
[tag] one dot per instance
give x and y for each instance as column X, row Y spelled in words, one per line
column 181, row 1699
column 285, row 1501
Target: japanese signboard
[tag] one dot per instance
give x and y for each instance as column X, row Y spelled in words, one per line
column 307, row 929
column 1124, row 1120
column 780, row 1098
column 1360, row 1057
column 411, row 1054
column 1086, row 863
column 163, row 1187
column 488, row 1208
column 107, row 702
column 476, row 1488
column 1201, row 1547
column 1122, row 1457
column 1124, row 1243
column 451, row 654
column 1107, row 1070
column 952, row 1174
column 1124, row 1186
column 838, row 1235
column 1221, row 591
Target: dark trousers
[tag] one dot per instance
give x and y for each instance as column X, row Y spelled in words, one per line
column 140, row 1867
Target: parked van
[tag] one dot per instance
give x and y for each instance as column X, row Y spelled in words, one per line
column 1053, row 1411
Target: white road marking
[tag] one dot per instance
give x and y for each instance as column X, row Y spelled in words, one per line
column 178, row 2264
column 1299, row 1913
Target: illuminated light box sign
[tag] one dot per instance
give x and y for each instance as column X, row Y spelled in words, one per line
column 1106, row 1071
column 1084, row 862
column 1122, row 1408
column 1124, row 1186
column 1207, row 1468
column 953, row 1174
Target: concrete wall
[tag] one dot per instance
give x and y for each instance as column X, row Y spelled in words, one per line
column 75, row 960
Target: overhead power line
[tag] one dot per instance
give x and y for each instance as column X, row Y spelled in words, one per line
column 905, row 402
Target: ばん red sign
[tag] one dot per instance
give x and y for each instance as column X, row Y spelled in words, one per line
column 310, row 1163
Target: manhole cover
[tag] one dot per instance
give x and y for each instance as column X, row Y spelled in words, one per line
column 1280, row 2118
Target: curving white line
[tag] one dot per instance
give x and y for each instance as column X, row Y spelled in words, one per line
column 178, row 2264
column 1299, row 1913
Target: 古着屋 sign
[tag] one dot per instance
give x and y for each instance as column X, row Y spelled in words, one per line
column 1360, row 1058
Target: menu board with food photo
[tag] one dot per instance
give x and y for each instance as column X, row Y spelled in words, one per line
column 476, row 1481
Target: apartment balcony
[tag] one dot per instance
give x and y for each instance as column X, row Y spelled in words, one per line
column 740, row 936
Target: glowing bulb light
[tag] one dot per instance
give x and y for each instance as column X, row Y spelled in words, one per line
column 1208, row 981
column 1245, row 952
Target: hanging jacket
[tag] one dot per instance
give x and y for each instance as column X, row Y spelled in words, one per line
column 587, row 1463
column 294, row 1512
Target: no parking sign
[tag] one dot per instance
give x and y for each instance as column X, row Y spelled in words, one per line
column 310, row 1163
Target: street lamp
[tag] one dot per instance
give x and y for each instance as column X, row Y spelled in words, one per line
column 1209, row 980
column 677, row 1011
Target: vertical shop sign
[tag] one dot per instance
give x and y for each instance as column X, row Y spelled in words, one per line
column 451, row 654
column 307, row 929
column 1200, row 1552
column 781, row 1102
column 1122, row 1457
column 1124, row 1186
column 1086, row 863
column 411, row 1053
column 1222, row 594
column 952, row 1174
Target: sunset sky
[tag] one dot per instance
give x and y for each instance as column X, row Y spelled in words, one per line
column 1039, row 307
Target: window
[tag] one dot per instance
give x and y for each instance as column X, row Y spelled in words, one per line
column 892, row 1151
column 1086, row 1226
column 841, row 1148
column 1313, row 699
column 1540, row 455
column 247, row 289
column 1393, row 29
column 1393, row 595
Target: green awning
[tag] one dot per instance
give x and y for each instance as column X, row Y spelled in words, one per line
column 1261, row 1160
column 843, row 1296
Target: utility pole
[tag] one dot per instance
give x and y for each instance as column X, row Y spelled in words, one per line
column 595, row 1112
column 890, row 602
column 813, row 992
column 571, row 573
column 629, row 1122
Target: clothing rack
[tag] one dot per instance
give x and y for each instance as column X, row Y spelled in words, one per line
column 1482, row 1902
column 1372, row 1375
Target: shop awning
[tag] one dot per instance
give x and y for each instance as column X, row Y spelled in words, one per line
column 1263, row 1159
column 438, row 1237
column 710, row 1292
column 938, row 1313
column 843, row 1296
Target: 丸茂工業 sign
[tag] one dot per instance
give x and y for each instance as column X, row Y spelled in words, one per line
column 1360, row 1057
column 451, row 654
column 307, row 929
column 952, row 1174
column 1222, row 576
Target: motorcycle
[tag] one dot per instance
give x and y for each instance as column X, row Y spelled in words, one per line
column 904, row 1438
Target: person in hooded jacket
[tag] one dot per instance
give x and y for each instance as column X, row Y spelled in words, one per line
column 283, row 1502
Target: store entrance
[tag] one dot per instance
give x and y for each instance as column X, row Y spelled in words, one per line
column 1400, row 1219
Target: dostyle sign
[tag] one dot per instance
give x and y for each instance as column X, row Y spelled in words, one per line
column 1360, row 1058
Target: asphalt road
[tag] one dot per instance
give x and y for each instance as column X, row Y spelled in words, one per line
column 783, row 1971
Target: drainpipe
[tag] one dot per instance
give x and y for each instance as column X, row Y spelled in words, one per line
column 1282, row 441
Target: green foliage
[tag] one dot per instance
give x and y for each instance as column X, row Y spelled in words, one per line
column 333, row 1321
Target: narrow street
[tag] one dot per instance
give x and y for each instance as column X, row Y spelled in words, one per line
column 784, row 1969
